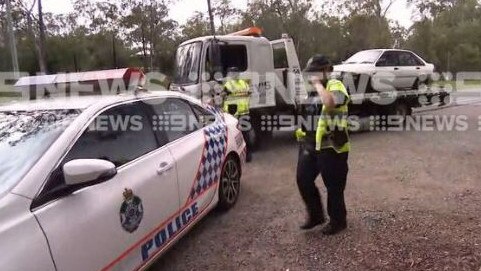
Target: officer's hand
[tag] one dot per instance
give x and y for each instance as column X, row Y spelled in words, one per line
column 300, row 135
column 315, row 79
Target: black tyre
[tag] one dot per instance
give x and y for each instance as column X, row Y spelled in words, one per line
column 255, row 133
column 416, row 84
column 402, row 110
column 229, row 185
column 445, row 100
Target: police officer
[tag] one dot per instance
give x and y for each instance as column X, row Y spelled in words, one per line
column 237, row 102
column 326, row 149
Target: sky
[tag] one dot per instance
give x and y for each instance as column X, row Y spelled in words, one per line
column 183, row 9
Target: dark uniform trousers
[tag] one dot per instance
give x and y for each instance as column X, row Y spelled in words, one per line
column 333, row 168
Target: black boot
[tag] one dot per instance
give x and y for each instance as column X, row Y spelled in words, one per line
column 334, row 228
column 248, row 156
column 312, row 222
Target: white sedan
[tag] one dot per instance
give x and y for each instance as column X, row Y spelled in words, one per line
column 388, row 69
column 110, row 183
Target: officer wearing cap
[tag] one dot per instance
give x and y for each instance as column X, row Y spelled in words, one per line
column 324, row 148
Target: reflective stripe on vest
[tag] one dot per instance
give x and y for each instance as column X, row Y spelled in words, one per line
column 332, row 128
column 239, row 95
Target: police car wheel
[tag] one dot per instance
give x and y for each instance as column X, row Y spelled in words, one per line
column 229, row 187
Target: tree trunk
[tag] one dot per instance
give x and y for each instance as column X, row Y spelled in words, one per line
column 42, row 58
column 114, row 51
column 152, row 37
column 12, row 40
column 144, row 45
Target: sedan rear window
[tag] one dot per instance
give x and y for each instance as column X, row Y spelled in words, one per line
column 25, row 137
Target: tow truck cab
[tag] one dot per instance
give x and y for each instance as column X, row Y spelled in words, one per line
column 271, row 68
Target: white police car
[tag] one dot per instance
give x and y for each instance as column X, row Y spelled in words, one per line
column 109, row 183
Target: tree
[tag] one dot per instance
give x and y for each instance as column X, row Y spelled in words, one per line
column 148, row 24
column 431, row 8
column 276, row 17
column 399, row 35
column 224, row 11
column 196, row 26
column 42, row 58
column 450, row 38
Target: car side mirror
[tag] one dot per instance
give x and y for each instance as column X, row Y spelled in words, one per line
column 84, row 171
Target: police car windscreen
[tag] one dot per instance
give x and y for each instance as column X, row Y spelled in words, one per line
column 25, row 137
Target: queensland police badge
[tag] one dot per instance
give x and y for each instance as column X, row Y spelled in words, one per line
column 131, row 211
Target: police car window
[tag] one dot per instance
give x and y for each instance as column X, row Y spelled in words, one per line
column 119, row 135
column 175, row 117
column 204, row 116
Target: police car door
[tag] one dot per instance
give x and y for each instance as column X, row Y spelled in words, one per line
column 198, row 150
column 116, row 224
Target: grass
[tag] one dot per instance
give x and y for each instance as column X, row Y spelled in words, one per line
column 7, row 94
column 5, row 100
column 468, row 85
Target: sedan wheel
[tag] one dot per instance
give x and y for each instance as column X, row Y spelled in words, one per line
column 229, row 187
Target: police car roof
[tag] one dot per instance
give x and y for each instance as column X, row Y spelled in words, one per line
column 84, row 102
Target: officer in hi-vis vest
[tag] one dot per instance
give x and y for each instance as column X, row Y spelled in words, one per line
column 237, row 102
column 324, row 148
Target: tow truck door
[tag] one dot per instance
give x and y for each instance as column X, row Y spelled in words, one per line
column 288, row 71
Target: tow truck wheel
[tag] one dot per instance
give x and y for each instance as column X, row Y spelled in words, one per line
column 445, row 100
column 402, row 110
column 254, row 139
column 255, row 133
column 229, row 186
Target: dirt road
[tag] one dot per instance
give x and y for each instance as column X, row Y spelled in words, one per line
column 414, row 203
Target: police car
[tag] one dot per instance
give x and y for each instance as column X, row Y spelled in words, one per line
column 110, row 183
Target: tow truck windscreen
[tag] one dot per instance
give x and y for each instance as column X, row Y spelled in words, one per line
column 24, row 138
column 188, row 64
column 364, row 57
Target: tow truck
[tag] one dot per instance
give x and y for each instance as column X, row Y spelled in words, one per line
column 274, row 73
column 271, row 67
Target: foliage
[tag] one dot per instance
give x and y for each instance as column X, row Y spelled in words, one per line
column 450, row 36
column 105, row 34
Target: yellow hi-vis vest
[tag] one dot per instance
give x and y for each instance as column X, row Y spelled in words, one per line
column 332, row 128
column 239, row 95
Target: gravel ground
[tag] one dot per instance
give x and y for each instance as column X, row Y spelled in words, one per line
column 414, row 200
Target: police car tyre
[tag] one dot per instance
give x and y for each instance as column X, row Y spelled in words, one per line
column 229, row 186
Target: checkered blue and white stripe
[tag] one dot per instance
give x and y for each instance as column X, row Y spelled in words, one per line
column 212, row 158
column 216, row 111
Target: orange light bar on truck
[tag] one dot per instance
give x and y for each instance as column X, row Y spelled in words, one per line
column 251, row 31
